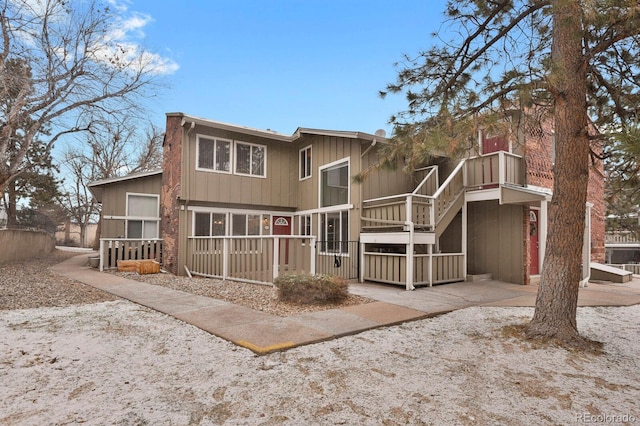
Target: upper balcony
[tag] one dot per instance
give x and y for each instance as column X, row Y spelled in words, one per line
column 430, row 207
column 613, row 238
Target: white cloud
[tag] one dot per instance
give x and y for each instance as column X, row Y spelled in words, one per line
column 122, row 44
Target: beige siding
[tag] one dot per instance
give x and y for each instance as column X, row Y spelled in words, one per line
column 381, row 183
column 326, row 150
column 114, row 201
column 278, row 188
column 494, row 241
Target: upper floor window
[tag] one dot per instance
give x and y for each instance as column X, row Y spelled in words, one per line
column 143, row 213
column 213, row 154
column 250, row 159
column 334, row 184
column 305, row 163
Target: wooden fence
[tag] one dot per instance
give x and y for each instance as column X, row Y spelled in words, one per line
column 251, row 259
column 427, row 269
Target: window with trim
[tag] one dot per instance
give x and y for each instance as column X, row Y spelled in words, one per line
column 143, row 213
column 334, row 185
column 209, row 224
column 245, row 224
column 305, row 224
column 305, row 163
column 334, row 232
column 250, row 159
column 213, row 154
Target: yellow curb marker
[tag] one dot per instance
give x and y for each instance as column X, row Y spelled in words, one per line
column 264, row 349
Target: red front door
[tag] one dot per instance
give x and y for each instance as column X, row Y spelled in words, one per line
column 534, row 262
column 281, row 225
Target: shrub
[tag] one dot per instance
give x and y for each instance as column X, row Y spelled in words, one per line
column 311, row 289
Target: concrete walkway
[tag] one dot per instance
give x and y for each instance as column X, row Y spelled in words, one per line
column 263, row 333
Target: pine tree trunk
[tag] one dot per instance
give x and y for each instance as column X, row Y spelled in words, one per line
column 557, row 300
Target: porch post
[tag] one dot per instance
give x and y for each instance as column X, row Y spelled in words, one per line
column 225, row 258
column 542, row 225
column 430, row 252
column 586, row 248
column 312, row 243
column 276, row 256
column 409, row 247
column 501, row 167
column 465, row 227
column 361, row 277
column 101, row 255
column 409, row 278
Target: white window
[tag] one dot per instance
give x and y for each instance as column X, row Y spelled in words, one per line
column 305, row 224
column 334, row 232
column 305, row 163
column 251, row 159
column 143, row 216
column 213, row 154
column 209, row 224
column 245, row 224
column 334, row 184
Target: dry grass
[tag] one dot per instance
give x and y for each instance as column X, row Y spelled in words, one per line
column 31, row 284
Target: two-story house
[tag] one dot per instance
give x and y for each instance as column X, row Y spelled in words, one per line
column 248, row 204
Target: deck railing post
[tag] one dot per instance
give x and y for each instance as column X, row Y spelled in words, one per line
column 225, row 258
column 430, row 274
column 101, row 254
column 276, row 256
column 312, row 246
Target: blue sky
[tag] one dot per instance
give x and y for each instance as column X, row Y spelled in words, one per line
column 283, row 64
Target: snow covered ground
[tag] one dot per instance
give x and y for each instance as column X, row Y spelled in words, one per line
column 119, row 363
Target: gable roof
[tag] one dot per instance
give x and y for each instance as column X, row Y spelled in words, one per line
column 127, row 177
column 270, row 134
column 96, row 187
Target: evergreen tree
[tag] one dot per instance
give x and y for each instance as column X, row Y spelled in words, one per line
column 577, row 60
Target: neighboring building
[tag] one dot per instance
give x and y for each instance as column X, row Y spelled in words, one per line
column 68, row 234
column 622, row 242
column 242, row 203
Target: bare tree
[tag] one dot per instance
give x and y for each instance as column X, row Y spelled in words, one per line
column 62, row 62
column 115, row 150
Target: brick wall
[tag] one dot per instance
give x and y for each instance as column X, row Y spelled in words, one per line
column 539, row 166
column 595, row 195
column 171, row 178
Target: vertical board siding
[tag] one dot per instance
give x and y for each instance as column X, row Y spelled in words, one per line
column 114, row 201
column 278, row 188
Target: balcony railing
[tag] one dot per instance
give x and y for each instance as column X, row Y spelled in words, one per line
column 113, row 250
column 427, row 269
column 251, row 259
column 621, row 237
column 491, row 170
column 397, row 212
